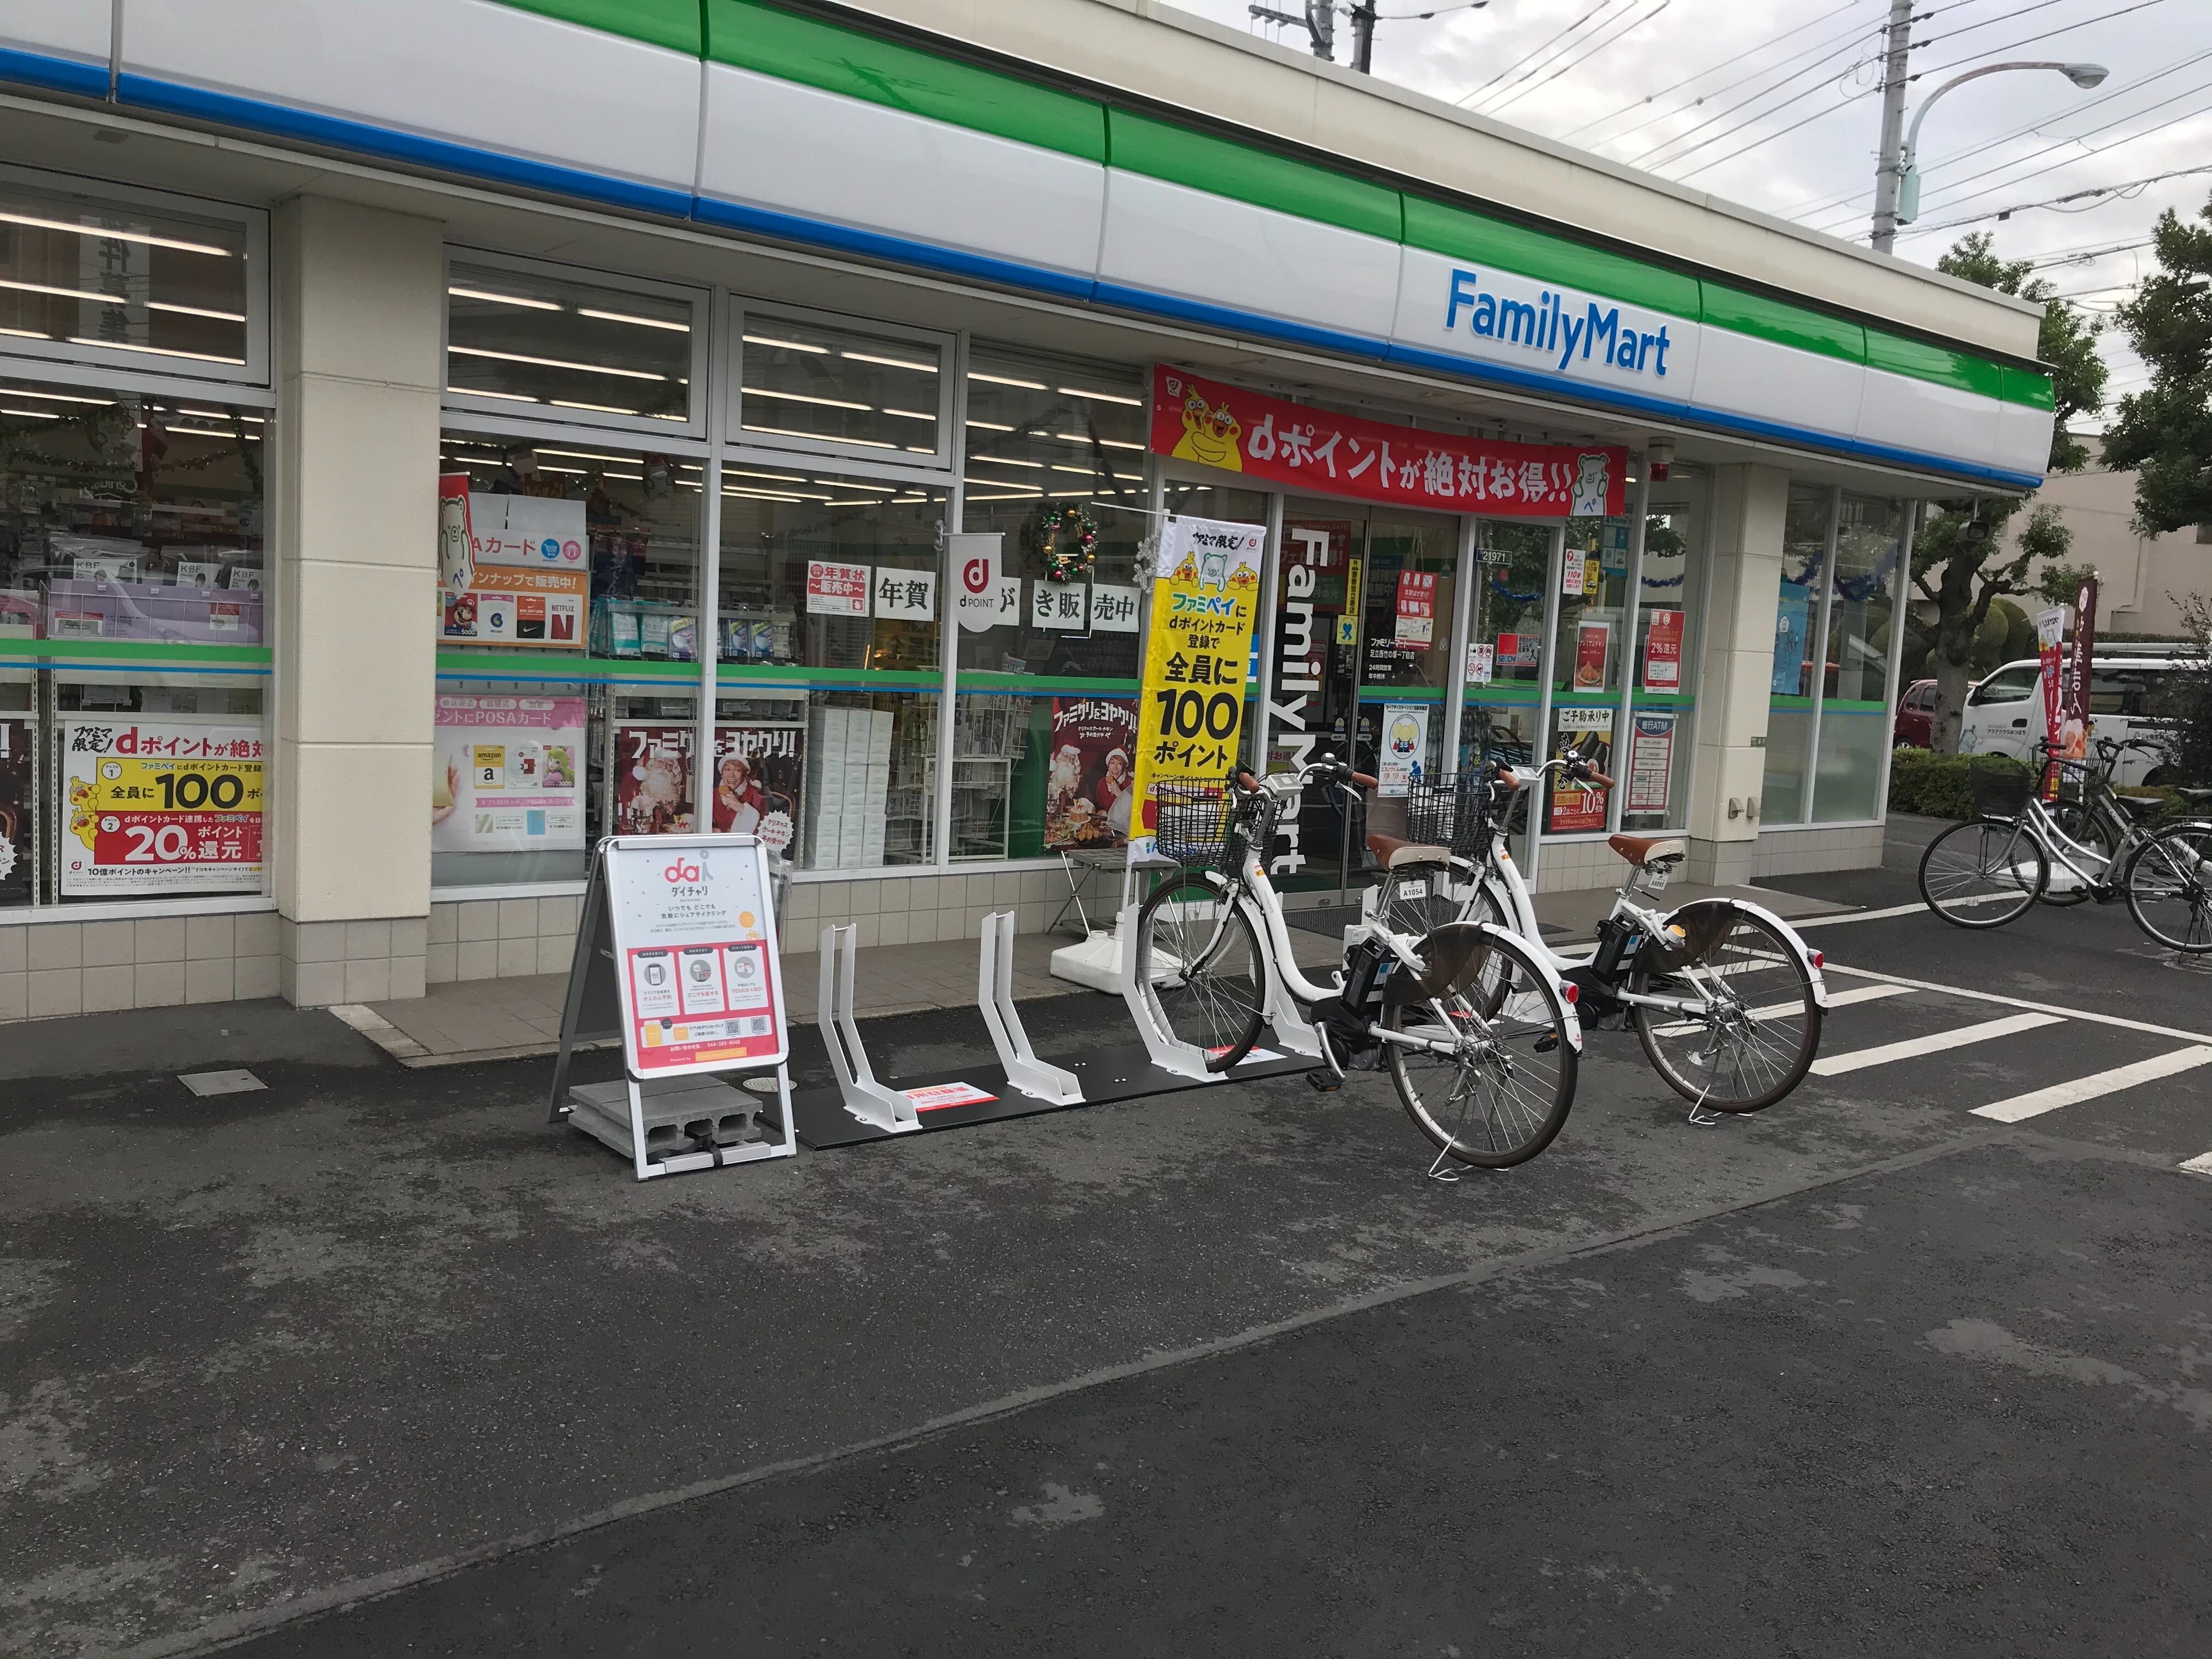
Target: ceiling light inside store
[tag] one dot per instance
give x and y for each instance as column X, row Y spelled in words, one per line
column 1079, row 471
column 25, row 334
column 816, row 437
column 197, row 311
column 1105, row 443
column 597, row 408
column 864, row 500
column 504, row 396
column 636, row 322
column 555, row 362
column 626, row 478
column 53, row 397
column 1102, row 397
column 786, row 345
column 578, row 472
column 37, row 414
column 583, row 455
column 855, row 483
column 921, row 449
column 888, row 362
column 779, row 477
column 1027, row 495
column 221, row 415
column 1062, row 495
column 108, row 234
column 807, row 398
column 157, row 351
column 908, row 414
column 990, row 426
column 768, row 494
column 1002, row 379
column 503, row 298
column 1004, row 461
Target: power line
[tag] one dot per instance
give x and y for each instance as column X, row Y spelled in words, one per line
column 1513, row 67
column 2099, row 196
column 1803, row 211
column 1990, row 22
column 1816, row 115
column 1577, row 63
column 2104, row 17
column 2118, row 143
column 1711, row 69
column 1646, row 159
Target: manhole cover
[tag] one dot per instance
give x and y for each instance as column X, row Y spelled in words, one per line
column 220, row 1082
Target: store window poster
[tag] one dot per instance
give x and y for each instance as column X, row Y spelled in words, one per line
column 758, row 775
column 17, row 756
column 512, row 570
column 507, row 775
column 1663, row 651
column 1574, row 808
column 160, row 806
column 1792, row 627
column 1650, row 762
column 1403, row 750
column 1090, row 771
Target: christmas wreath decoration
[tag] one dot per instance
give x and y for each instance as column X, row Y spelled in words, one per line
column 1067, row 538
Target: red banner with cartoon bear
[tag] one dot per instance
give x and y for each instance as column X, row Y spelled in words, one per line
column 1331, row 454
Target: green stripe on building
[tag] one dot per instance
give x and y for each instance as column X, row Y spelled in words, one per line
column 2024, row 386
column 672, row 23
column 750, row 35
column 1783, row 322
column 1939, row 365
column 1480, row 240
column 1223, row 166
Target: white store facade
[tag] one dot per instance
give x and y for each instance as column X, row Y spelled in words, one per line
column 705, row 325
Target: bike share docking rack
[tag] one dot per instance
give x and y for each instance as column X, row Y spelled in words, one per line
column 864, row 1107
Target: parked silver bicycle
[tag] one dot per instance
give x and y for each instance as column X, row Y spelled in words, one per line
column 2084, row 842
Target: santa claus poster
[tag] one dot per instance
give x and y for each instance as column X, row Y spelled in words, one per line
column 1089, row 772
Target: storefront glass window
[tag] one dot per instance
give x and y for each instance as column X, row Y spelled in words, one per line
column 1854, row 725
column 1408, row 593
column 154, row 290
column 1661, row 737
column 567, row 693
column 830, row 636
column 1586, row 655
column 134, row 645
column 1785, row 796
column 811, row 382
column 1053, row 451
column 520, row 339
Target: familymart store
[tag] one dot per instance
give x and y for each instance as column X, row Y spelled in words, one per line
column 407, row 477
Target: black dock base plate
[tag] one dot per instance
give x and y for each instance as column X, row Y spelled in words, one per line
column 1125, row 1073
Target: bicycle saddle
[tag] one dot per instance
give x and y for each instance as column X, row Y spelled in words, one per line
column 2139, row 806
column 1644, row 851
column 1394, row 852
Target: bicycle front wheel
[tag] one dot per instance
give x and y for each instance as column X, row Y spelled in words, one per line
column 2170, row 888
column 1982, row 874
column 1200, row 970
column 1759, row 1028
column 1496, row 1088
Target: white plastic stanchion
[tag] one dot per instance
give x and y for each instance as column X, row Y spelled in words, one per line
column 1183, row 1059
column 994, row 995
column 865, row 1098
column 1293, row 1029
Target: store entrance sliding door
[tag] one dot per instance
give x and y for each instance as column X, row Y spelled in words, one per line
column 1361, row 639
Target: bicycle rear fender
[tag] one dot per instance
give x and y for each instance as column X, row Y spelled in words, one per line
column 1705, row 923
column 1455, row 955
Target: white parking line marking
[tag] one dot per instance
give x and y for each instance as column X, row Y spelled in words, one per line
column 1780, row 1010
column 1894, row 910
column 1860, row 1059
column 2114, row 1020
column 2200, row 1166
column 2097, row 1083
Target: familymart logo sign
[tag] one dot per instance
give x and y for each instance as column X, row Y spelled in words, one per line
column 1515, row 322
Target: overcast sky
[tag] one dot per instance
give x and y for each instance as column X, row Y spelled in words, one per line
column 1776, row 104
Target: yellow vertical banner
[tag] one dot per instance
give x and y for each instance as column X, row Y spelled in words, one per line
column 1190, row 710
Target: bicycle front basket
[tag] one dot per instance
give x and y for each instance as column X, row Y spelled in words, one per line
column 1999, row 792
column 1204, row 826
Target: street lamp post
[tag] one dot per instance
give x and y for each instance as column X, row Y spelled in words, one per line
column 1906, row 162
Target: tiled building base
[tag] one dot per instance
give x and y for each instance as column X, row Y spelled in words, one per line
column 54, row 968
column 320, row 963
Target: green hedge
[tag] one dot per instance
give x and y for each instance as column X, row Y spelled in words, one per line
column 1935, row 785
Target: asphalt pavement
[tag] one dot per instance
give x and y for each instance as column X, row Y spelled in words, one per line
column 375, row 1362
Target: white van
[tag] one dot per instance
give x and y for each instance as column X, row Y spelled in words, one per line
column 2004, row 712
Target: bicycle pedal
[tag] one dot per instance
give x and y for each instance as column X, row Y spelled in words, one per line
column 1546, row 1043
column 1322, row 1081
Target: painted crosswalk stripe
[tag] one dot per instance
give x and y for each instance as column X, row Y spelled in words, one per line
column 1782, row 1010
column 1859, row 1058
column 2097, row 1083
column 2200, row 1166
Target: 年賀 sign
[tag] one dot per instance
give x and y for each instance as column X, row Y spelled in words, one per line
column 1331, row 454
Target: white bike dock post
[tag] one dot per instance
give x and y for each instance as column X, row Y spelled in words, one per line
column 865, row 1098
column 1293, row 1029
column 994, row 995
column 1183, row 1059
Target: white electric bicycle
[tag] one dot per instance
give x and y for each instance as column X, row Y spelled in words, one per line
column 1488, row 1082
column 1726, row 996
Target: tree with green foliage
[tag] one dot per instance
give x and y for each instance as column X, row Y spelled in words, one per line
column 1960, row 566
column 2165, row 431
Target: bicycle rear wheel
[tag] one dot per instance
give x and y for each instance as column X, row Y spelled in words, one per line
column 1760, row 1030
column 1983, row 873
column 1503, row 1091
column 2169, row 884
column 1199, row 968
column 1416, row 899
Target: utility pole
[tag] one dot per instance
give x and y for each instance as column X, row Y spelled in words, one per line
column 1888, row 170
column 1319, row 21
column 1363, row 36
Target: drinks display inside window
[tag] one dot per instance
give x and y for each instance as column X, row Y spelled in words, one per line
column 133, row 521
column 829, row 629
column 159, row 288
column 1051, row 602
column 520, row 338
column 807, row 380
